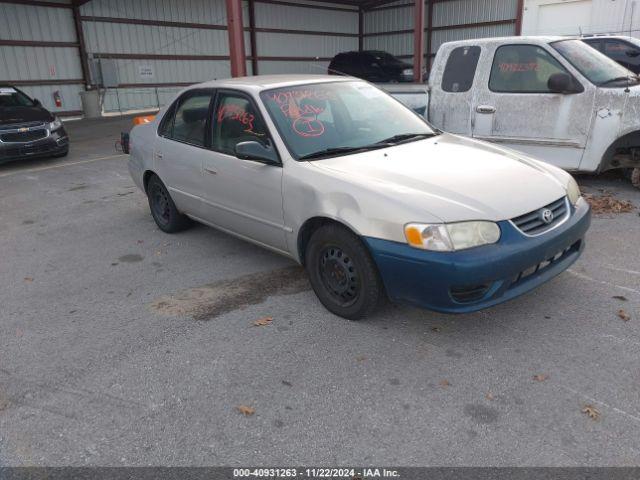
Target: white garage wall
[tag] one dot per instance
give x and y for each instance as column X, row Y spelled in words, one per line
column 571, row 17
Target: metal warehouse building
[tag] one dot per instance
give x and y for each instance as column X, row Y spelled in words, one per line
column 149, row 49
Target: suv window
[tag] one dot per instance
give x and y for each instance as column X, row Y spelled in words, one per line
column 190, row 122
column 236, row 120
column 523, row 69
column 622, row 52
column 460, row 69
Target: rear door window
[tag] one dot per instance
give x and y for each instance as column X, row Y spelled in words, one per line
column 190, row 123
column 460, row 69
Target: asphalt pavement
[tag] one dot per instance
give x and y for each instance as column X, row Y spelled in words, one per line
column 122, row 345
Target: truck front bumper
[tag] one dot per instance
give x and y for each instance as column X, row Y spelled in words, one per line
column 477, row 278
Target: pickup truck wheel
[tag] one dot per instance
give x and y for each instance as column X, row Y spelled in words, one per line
column 163, row 210
column 342, row 273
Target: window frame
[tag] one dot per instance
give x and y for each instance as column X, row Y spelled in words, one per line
column 475, row 69
column 175, row 106
column 214, row 120
column 521, row 92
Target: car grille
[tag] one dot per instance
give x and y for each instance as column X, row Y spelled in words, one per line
column 23, row 137
column 533, row 223
column 542, row 266
column 15, row 126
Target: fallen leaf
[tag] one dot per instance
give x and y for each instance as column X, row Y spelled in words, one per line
column 361, row 358
column 489, row 396
column 445, row 383
column 624, row 315
column 620, row 297
column 606, row 203
column 541, row 377
column 19, row 332
column 287, row 384
column 591, row 411
column 261, row 322
column 436, row 329
column 245, row 410
column 28, row 279
column 140, row 242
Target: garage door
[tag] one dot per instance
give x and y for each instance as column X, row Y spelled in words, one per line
column 564, row 18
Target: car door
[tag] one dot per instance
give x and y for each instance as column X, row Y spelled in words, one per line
column 242, row 196
column 515, row 106
column 181, row 147
column 452, row 97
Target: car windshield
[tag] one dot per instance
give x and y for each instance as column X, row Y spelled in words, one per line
column 598, row 68
column 326, row 119
column 10, row 97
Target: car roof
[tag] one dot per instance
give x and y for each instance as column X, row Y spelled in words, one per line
column 265, row 82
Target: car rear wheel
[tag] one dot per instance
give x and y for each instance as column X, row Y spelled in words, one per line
column 342, row 272
column 163, row 210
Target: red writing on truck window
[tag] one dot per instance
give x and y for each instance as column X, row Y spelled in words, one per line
column 519, row 67
column 308, row 127
column 304, row 117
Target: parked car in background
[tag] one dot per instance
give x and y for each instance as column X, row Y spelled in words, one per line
column 622, row 49
column 554, row 98
column 372, row 65
column 337, row 175
column 27, row 129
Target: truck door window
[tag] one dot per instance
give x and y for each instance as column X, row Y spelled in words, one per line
column 460, row 69
column 623, row 53
column 523, row 69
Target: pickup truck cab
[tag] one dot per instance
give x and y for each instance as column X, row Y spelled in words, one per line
column 554, row 98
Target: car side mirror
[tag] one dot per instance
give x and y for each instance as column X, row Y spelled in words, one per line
column 632, row 53
column 257, row 152
column 562, row 83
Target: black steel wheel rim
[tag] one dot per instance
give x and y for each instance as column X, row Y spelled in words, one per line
column 160, row 203
column 339, row 275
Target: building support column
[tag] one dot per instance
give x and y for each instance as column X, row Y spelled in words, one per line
column 236, row 38
column 360, row 28
column 519, row 14
column 82, row 49
column 252, row 37
column 418, row 41
column 429, row 59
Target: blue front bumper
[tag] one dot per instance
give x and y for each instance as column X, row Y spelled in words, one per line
column 477, row 278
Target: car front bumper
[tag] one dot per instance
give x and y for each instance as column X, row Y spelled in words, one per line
column 477, row 278
column 56, row 143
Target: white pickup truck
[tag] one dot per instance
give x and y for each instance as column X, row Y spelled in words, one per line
column 554, row 98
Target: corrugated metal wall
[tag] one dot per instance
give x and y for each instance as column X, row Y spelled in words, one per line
column 36, row 69
column 452, row 20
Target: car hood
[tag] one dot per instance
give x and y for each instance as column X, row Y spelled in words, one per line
column 11, row 115
column 452, row 178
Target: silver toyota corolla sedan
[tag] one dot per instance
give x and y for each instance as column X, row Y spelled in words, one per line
column 361, row 190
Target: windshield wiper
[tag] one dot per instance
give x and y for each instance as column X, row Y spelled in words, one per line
column 327, row 152
column 628, row 78
column 396, row 139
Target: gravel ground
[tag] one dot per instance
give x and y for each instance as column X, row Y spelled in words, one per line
column 121, row 345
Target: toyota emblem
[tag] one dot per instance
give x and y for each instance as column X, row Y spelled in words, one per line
column 547, row 216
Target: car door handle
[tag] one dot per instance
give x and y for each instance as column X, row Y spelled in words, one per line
column 212, row 171
column 485, row 109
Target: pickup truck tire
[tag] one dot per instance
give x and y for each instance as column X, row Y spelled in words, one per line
column 342, row 272
column 163, row 210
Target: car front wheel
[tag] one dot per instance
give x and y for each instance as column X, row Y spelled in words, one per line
column 342, row 272
column 163, row 210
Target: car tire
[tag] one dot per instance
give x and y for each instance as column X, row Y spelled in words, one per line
column 163, row 210
column 342, row 272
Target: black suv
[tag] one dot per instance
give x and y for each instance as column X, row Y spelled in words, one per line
column 27, row 129
column 372, row 65
column 624, row 50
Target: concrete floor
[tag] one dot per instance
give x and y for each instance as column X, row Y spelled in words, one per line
column 98, row 367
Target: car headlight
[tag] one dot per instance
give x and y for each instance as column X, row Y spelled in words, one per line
column 407, row 71
column 446, row 237
column 56, row 124
column 573, row 191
